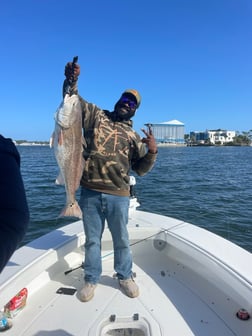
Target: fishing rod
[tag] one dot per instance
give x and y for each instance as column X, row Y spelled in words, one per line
column 73, row 269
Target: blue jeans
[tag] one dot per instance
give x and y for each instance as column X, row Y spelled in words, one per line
column 98, row 207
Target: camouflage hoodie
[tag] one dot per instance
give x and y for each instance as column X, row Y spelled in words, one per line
column 112, row 149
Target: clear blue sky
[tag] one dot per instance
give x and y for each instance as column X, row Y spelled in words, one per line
column 191, row 60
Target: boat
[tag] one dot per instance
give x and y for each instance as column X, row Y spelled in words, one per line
column 192, row 282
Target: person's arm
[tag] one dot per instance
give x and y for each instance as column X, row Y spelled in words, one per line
column 14, row 212
column 70, row 85
column 72, row 72
column 144, row 161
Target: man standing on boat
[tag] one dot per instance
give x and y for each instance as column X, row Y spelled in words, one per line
column 112, row 149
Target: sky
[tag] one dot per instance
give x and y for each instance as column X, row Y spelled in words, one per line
column 191, row 60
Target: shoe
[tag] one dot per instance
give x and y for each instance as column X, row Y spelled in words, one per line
column 87, row 292
column 129, row 287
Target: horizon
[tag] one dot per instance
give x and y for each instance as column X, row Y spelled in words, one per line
column 218, row 129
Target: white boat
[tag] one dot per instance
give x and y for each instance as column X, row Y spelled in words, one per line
column 192, row 282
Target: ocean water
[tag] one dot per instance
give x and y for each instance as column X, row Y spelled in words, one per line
column 210, row 187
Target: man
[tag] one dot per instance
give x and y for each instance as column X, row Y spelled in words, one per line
column 112, row 149
column 14, row 212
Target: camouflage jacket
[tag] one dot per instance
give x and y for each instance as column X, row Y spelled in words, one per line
column 112, row 149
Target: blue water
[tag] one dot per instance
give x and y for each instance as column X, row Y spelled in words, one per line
column 210, row 187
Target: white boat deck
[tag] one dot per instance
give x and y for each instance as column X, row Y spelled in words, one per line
column 182, row 290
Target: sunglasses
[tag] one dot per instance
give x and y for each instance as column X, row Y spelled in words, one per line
column 129, row 102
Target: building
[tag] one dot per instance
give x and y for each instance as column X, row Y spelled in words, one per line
column 214, row 137
column 197, row 137
column 170, row 132
column 221, row 137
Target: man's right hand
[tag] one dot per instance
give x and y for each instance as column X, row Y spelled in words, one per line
column 72, row 71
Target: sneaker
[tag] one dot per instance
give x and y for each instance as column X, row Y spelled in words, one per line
column 129, row 287
column 87, row 292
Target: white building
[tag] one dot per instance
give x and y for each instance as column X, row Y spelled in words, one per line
column 170, row 132
column 221, row 137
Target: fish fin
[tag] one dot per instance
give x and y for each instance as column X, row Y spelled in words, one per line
column 83, row 142
column 60, row 180
column 60, row 138
column 71, row 210
column 51, row 142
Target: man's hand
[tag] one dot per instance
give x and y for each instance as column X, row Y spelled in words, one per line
column 150, row 141
column 72, row 71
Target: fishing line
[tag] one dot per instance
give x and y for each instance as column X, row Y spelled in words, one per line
column 132, row 244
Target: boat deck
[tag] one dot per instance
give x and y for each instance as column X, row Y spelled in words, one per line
column 175, row 299
column 162, row 302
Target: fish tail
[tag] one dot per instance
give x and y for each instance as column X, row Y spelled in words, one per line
column 72, row 210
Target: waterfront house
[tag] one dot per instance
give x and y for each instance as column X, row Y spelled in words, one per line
column 213, row 137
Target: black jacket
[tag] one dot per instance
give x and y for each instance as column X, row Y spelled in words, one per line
column 14, row 213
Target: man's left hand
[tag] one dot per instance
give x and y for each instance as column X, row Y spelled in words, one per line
column 150, row 141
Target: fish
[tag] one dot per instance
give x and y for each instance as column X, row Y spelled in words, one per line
column 67, row 141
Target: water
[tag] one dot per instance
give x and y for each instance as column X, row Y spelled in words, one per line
column 210, row 187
